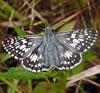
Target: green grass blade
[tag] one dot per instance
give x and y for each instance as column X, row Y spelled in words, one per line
column 46, row 23
column 13, row 73
column 11, row 85
column 19, row 31
column 8, row 9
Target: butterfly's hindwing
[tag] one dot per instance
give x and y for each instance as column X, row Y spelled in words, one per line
column 66, row 58
column 38, row 60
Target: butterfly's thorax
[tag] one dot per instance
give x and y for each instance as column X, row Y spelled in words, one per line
column 49, row 40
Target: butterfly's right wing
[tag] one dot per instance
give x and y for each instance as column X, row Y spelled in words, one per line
column 70, row 46
column 78, row 40
column 20, row 47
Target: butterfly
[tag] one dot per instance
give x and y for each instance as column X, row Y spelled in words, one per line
column 62, row 50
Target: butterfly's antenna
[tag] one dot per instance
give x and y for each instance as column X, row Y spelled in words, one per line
column 37, row 27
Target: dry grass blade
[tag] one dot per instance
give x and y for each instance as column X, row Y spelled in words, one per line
column 69, row 18
column 77, row 89
column 92, row 82
column 92, row 71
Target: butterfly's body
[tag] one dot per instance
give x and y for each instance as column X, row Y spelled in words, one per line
column 62, row 50
column 49, row 43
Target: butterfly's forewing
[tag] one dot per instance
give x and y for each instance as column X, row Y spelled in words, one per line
column 78, row 40
column 20, row 47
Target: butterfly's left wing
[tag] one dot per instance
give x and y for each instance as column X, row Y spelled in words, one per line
column 31, row 50
column 78, row 40
column 20, row 47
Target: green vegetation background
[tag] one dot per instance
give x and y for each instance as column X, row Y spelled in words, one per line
column 16, row 16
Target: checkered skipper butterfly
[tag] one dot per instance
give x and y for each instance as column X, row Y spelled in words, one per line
column 62, row 50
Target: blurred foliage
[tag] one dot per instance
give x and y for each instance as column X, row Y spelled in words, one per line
column 61, row 15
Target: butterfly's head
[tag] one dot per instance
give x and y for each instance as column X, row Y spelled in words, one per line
column 48, row 31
